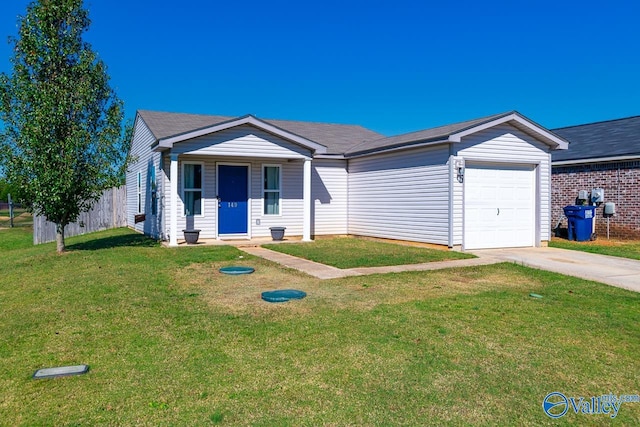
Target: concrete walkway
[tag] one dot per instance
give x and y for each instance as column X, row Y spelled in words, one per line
column 614, row 271
column 322, row 271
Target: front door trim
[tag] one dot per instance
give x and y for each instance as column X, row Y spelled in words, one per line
column 249, row 202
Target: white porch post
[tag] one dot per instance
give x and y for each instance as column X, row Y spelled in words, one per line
column 173, row 207
column 306, row 199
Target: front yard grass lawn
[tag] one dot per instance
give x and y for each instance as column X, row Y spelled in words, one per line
column 619, row 248
column 171, row 341
column 349, row 252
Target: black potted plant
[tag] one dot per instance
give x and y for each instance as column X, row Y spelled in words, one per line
column 191, row 234
column 277, row 233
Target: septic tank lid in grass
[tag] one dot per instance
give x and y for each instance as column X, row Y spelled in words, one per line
column 237, row 270
column 283, row 295
column 62, row 371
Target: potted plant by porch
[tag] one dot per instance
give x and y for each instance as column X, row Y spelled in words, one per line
column 191, row 234
column 277, row 233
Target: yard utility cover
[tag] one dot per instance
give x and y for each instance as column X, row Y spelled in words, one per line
column 62, row 371
column 283, row 295
column 237, row 270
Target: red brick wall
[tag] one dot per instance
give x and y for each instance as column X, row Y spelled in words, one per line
column 621, row 184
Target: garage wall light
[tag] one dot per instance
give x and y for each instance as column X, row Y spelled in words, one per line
column 459, row 165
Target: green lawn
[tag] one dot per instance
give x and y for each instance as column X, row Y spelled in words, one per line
column 619, row 248
column 350, row 252
column 170, row 341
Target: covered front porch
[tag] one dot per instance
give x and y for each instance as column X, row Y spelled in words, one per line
column 238, row 198
column 237, row 179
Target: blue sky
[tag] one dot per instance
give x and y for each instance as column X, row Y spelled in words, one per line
column 393, row 67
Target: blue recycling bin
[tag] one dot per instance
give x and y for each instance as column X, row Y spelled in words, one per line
column 580, row 222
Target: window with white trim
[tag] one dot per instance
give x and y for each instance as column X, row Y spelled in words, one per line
column 154, row 190
column 192, row 174
column 139, row 192
column 271, row 187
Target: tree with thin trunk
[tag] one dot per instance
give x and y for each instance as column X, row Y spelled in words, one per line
column 63, row 140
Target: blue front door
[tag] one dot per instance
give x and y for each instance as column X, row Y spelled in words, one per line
column 232, row 199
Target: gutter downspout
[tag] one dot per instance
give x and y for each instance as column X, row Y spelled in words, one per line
column 451, row 172
column 173, row 204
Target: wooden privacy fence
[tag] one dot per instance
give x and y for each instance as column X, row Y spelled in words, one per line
column 108, row 212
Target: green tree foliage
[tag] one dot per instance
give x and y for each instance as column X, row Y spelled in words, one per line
column 5, row 190
column 63, row 141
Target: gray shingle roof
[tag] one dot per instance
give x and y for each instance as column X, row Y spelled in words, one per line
column 610, row 138
column 350, row 140
column 337, row 138
column 164, row 125
column 440, row 133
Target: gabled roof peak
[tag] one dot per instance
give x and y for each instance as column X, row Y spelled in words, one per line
column 335, row 138
column 454, row 132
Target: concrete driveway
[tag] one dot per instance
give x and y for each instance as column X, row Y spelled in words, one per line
column 614, row 271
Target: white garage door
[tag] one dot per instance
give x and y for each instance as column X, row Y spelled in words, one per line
column 499, row 206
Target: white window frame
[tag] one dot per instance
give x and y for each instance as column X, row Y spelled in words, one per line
column 183, row 189
column 153, row 187
column 264, row 191
column 139, row 191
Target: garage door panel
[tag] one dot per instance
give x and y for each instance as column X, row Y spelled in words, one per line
column 499, row 207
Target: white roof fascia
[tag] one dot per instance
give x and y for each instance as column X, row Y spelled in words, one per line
column 595, row 160
column 548, row 138
column 166, row 143
column 408, row 146
column 330, row 156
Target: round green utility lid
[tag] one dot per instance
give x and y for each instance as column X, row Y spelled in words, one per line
column 237, row 270
column 283, row 295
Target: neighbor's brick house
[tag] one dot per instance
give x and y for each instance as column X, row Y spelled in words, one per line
column 601, row 155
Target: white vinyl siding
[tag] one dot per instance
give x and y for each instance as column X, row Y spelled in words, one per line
column 457, row 206
column 402, row 195
column 205, row 222
column 291, row 201
column 330, row 197
column 505, row 144
column 242, row 141
column 145, row 162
